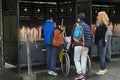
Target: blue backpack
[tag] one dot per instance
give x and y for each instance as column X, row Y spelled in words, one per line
column 78, row 32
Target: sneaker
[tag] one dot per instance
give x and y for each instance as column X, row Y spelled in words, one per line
column 52, row 73
column 79, row 77
column 101, row 72
column 48, row 71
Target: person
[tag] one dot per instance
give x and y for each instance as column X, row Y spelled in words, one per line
column 81, row 50
column 78, row 42
column 102, row 22
column 51, row 51
column 108, row 37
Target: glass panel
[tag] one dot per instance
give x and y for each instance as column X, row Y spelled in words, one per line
column 34, row 13
column 10, row 31
column 109, row 9
column 84, row 7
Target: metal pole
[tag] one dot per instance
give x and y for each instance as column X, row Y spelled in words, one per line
column 76, row 11
column 1, row 34
column 19, row 46
column 29, row 57
column 90, row 4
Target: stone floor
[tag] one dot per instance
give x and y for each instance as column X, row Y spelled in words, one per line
column 40, row 73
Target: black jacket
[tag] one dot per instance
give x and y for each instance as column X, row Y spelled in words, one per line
column 100, row 33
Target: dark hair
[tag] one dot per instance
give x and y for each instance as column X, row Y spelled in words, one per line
column 81, row 15
column 49, row 16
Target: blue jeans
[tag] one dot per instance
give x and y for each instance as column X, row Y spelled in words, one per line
column 101, row 54
column 51, row 52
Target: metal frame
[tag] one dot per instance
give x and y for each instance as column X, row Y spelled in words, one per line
column 1, row 40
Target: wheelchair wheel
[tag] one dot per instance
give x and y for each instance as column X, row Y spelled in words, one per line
column 88, row 68
column 65, row 64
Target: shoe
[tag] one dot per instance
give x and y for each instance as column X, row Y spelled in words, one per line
column 79, row 77
column 101, row 72
column 52, row 73
column 48, row 71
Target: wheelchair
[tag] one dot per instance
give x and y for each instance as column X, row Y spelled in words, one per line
column 65, row 61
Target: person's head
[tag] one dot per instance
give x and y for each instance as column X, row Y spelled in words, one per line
column 49, row 16
column 110, row 25
column 103, row 18
column 81, row 16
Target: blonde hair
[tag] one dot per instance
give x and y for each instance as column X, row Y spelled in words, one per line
column 103, row 18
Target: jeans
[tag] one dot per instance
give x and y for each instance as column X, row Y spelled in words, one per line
column 101, row 54
column 80, row 59
column 51, row 52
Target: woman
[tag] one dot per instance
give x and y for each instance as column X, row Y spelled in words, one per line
column 102, row 23
column 108, row 37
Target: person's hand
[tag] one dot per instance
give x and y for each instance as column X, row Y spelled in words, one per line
column 72, row 45
column 76, row 40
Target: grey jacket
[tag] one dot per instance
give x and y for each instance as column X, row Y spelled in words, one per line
column 108, row 33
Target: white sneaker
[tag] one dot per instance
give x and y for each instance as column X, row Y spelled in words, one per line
column 48, row 71
column 52, row 73
column 101, row 72
column 105, row 70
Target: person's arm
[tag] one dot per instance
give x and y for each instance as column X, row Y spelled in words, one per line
column 83, row 41
column 102, row 31
column 76, row 40
column 83, row 44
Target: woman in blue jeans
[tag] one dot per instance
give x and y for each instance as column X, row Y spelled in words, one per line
column 102, row 23
column 108, row 37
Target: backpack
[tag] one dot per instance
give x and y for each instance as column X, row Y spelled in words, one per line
column 57, row 37
column 78, row 32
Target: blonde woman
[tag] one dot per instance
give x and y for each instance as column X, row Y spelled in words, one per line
column 102, row 23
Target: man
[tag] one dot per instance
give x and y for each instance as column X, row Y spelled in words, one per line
column 81, row 71
column 51, row 51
